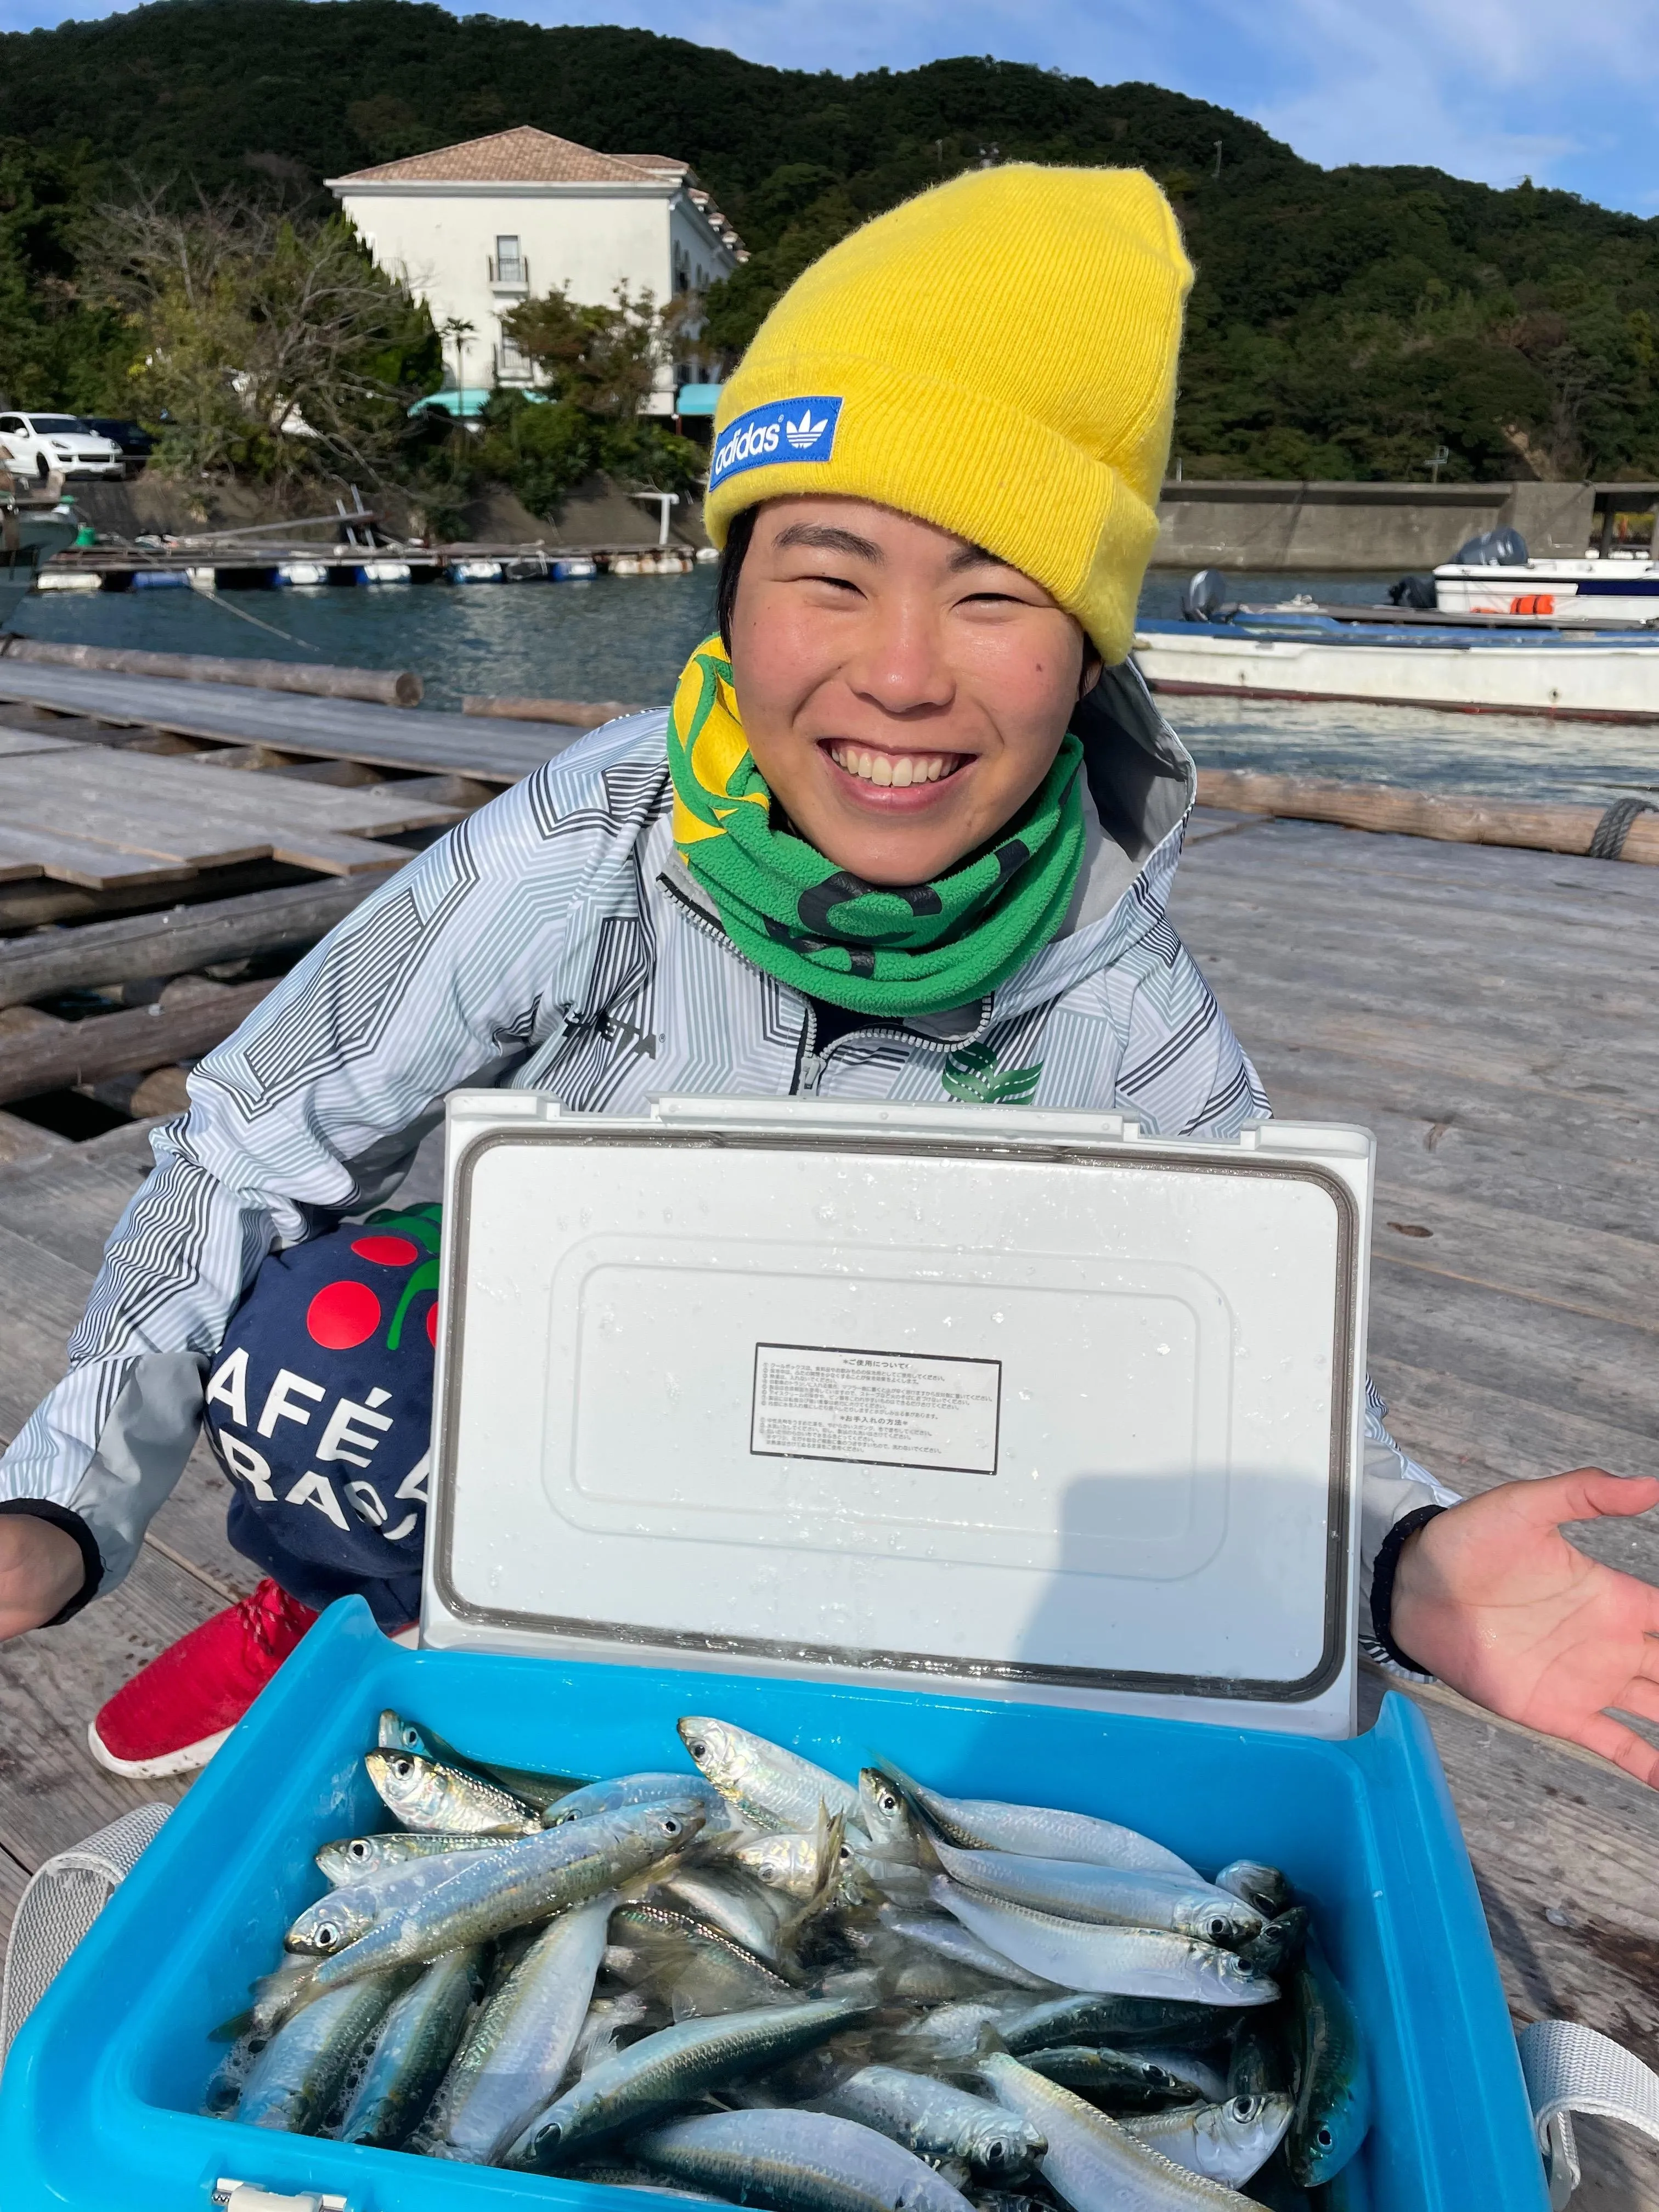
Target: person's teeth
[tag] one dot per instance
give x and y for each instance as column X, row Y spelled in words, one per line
column 899, row 772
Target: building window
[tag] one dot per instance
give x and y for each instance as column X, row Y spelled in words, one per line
column 512, row 364
column 509, row 266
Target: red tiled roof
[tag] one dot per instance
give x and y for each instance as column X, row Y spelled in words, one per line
column 520, row 156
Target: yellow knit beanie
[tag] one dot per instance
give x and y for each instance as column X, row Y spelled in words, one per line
column 997, row 356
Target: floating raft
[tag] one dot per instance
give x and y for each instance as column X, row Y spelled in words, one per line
column 204, row 566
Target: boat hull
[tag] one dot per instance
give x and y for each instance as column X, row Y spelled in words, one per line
column 1617, row 591
column 1570, row 679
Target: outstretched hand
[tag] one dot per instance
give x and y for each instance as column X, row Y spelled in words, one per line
column 1490, row 1597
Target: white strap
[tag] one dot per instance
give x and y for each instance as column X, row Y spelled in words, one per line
column 1569, row 2069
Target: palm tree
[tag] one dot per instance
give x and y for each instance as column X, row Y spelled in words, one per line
column 458, row 330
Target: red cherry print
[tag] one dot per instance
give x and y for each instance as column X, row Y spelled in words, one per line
column 389, row 1251
column 342, row 1314
column 432, row 1323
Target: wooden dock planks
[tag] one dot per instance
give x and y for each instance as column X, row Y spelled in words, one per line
column 339, row 729
column 90, row 817
column 1483, row 1010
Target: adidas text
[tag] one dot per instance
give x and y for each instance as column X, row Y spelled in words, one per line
column 787, row 430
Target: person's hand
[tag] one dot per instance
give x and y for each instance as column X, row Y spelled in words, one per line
column 1490, row 1597
column 41, row 1569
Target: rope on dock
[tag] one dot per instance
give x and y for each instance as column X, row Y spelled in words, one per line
column 1619, row 832
column 1609, row 842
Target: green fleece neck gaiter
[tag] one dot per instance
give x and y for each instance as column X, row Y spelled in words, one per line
column 873, row 950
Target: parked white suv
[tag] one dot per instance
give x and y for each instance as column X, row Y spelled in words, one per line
column 38, row 444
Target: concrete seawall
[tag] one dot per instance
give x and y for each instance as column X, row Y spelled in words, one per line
column 1263, row 524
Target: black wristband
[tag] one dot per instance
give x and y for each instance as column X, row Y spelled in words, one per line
column 1382, row 1575
column 92, row 1562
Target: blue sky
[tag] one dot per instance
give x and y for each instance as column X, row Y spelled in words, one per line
column 1482, row 87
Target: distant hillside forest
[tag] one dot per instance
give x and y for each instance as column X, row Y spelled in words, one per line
column 1346, row 323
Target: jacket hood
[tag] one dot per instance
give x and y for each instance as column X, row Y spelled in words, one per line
column 1140, row 786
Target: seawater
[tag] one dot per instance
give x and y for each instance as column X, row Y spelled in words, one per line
column 627, row 637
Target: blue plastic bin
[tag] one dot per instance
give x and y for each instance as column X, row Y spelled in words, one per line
column 99, row 2105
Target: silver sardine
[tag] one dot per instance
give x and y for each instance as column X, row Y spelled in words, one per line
column 720, row 1816
column 424, row 1794
column 1130, row 1897
column 359, row 1858
column 937, row 2120
column 1091, row 2017
column 1229, row 2141
column 350, row 1911
column 486, row 1895
column 985, row 1824
column 948, row 1939
column 1136, row 1962
column 1133, row 2079
column 699, row 1968
column 1094, row 2164
column 796, row 2162
column 732, row 1902
column 1263, row 1887
column 517, row 2054
column 296, row 2077
column 775, row 1788
column 416, row 2043
column 671, row 2068
column 538, row 1789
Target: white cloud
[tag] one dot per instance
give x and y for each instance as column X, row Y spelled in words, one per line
column 1480, row 89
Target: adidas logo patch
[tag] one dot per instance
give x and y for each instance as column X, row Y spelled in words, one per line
column 785, row 430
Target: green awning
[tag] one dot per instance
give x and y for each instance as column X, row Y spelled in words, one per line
column 464, row 403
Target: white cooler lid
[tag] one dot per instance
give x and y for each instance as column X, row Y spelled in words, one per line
column 997, row 1399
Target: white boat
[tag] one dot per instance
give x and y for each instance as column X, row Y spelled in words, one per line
column 1622, row 589
column 1266, row 653
column 29, row 534
column 68, row 579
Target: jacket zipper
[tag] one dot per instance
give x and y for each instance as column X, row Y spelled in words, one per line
column 809, row 1062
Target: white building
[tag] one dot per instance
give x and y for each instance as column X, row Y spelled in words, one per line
column 476, row 228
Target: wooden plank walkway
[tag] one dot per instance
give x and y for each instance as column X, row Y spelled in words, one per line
column 414, row 740
column 82, row 815
column 1487, row 1012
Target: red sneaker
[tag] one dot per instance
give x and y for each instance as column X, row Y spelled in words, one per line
column 174, row 1714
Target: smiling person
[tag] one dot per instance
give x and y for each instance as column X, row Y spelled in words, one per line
column 908, row 831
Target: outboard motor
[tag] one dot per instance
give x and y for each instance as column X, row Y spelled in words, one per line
column 1494, row 548
column 1414, row 592
column 1205, row 599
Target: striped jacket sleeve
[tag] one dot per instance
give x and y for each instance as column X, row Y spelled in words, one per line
column 312, row 1110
